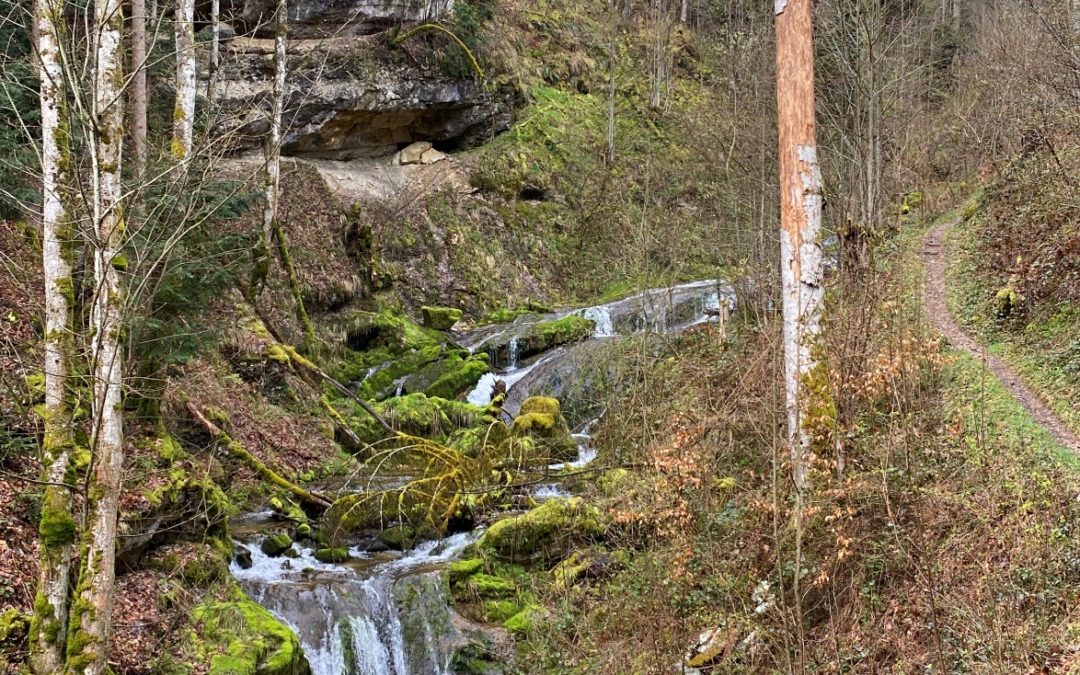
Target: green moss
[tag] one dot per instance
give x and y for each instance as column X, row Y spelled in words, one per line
column 275, row 352
column 498, row 611
column 541, row 419
column 35, row 385
column 398, row 537
column 276, row 544
column 440, row 318
column 120, row 262
column 460, row 378
column 242, row 638
column 57, row 527
column 13, row 626
column 489, row 586
column 523, row 622
column 332, row 555
column 415, row 414
column 545, row 533
column 197, row 565
column 460, row 570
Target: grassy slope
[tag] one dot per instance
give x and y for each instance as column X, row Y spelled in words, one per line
column 949, row 545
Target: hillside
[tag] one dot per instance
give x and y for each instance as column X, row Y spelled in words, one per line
column 502, row 391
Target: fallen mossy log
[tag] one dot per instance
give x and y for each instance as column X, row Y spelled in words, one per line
column 240, row 452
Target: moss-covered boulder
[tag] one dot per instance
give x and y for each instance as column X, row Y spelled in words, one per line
column 589, row 563
column 276, row 544
column 440, row 318
column 483, row 585
column 335, row 555
column 541, row 419
column 195, row 564
column 540, row 337
column 398, row 537
column 242, row 638
column 547, row 533
column 459, row 570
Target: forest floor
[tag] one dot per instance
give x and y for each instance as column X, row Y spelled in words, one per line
column 935, row 300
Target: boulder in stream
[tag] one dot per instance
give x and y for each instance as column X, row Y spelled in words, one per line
column 541, row 419
column 545, row 534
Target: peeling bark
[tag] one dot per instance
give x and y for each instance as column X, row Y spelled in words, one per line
column 800, row 213
column 49, row 623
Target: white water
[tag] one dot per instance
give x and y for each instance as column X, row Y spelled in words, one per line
column 546, row 491
column 346, row 616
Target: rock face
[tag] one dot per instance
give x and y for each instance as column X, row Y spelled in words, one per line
column 353, row 98
column 327, row 18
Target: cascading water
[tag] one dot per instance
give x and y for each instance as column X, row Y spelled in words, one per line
column 352, row 618
column 379, row 615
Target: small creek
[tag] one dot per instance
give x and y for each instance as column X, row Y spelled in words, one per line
column 388, row 613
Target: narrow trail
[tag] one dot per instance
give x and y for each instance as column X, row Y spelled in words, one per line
column 934, row 298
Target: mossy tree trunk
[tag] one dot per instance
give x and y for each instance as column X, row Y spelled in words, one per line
column 91, row 612
column 57, row 528
column 184, row 110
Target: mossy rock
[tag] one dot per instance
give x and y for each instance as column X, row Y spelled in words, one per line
column 276, row 544
column 365, row 512
column 14, row 626
column 498, row 611
column 398, row 537
column 547, row 532
column 332, row 555
column 522, row 623
column 541, row 419
column 483, row 585
column 590, row 563
column 459, row 570
column 242, row 638
column 542, row 336
column 440, row 318
column 459, row 375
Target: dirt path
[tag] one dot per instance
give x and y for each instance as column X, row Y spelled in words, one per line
column 933, row 252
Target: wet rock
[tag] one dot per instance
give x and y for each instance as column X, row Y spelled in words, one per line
column 242, row 557
column 276, row 544
column 328, row 18
column 332, row 555
column 398, row 537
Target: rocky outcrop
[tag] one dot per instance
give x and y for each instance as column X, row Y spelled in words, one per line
column 352, row 98
column 332, row 18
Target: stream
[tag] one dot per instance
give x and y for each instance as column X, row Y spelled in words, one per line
column 388, row 613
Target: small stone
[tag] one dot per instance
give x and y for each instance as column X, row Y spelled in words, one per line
column 414, row 153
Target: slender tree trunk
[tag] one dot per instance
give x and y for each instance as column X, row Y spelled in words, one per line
column 138, row 85
column 273, row 139
column 184, row 112
column 801, row 203
column 92, row 610
column 215, row 47
column 1074, row 16
column 613, row 46
column 57, row 528
column 684, row 12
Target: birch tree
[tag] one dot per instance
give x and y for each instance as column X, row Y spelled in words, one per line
column 57, row 524
column 215, row 46
column 272, row 183
column 138, row 85
column 801, row 200
column 92, row 609
column 184, row 112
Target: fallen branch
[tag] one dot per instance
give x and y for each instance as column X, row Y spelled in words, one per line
column 241, row 453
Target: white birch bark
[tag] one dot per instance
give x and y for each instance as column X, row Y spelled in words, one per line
column 57, row 524
column 139, row 98
column 801, row 200
column 92, row 610
column 215, row 47
column 184, row 111
column 273, row 142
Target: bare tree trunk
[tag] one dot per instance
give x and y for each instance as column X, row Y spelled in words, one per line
column 215, row 47
column 1074, row 16
column 684, row 13
column 138, row 85
column 184, row 112
column 800, row 211
column 92, row 610
column 49, row 623
column 273, row 139
column 613, row 17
